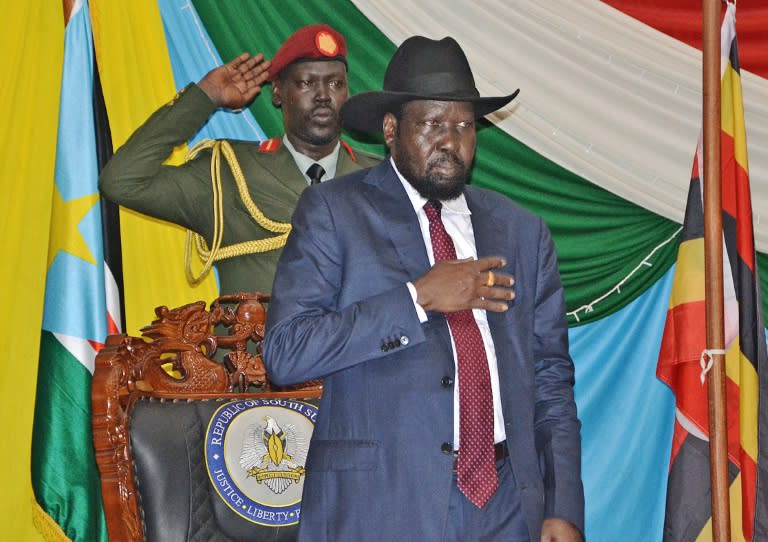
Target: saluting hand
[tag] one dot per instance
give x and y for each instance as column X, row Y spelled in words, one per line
column 237, row 83
column 454, row 285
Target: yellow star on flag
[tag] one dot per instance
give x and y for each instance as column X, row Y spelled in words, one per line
column 65, row 216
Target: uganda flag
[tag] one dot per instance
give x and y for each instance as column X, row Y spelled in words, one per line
column 681, row 363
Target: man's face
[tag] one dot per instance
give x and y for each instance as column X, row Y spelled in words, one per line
column 433, row 145
column 311, row 95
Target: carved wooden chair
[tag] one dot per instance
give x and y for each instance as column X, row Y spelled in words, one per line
column 192, row 441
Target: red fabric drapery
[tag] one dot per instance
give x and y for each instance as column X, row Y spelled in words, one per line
column 681, row 19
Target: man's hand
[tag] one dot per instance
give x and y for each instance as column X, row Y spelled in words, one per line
column 237, row 83
column 454, row 285
column 559, row 530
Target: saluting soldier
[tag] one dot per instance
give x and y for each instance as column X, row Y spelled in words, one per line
column 257, row 184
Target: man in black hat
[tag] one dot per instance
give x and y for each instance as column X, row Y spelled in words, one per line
column 434, row 312
column 243, row 219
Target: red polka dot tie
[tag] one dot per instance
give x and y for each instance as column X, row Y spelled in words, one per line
column 476, row 474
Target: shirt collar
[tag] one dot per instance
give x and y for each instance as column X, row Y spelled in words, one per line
column 303, row 161
column 458, row 205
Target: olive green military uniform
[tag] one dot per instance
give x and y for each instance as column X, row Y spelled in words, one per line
column 136, row 178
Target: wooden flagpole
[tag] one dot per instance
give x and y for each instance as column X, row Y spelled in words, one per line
column 713, row 261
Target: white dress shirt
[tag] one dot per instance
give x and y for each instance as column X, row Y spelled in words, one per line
column 457, row 220
column 303, row 161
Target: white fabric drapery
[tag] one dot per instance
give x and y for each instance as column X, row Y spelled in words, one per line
column 603, row 95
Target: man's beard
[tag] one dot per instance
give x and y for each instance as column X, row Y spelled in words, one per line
column 433, row 185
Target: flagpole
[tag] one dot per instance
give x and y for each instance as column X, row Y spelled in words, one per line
column 713, row 258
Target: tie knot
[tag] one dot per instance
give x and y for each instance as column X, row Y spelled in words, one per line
column 315, row 172
column 432, row 208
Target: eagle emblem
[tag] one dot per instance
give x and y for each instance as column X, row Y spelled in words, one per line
column 273, row 454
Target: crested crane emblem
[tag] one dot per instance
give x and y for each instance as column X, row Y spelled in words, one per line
column 274, row 454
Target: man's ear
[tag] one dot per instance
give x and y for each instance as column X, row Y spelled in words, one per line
column 277, row 100
column 389, row 128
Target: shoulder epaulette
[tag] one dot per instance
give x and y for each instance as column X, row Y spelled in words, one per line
column 270, row 145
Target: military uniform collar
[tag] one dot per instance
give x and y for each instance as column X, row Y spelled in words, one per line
column 303, row 161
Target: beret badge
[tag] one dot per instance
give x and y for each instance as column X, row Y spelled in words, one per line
column 326, row 43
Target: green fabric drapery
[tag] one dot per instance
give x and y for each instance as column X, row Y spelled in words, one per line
column 601, row 239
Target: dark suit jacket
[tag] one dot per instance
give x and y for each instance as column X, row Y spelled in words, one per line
column 136, row 178
column 341, row 311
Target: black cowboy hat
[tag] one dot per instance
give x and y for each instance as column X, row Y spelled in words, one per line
column 420, row 69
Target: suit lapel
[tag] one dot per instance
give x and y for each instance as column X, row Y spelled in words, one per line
column 492, row 238
column 386, row 194
column 492, row 235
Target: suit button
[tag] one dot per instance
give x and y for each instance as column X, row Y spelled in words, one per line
column 446, row 381
column 384, row 347
column 404, row 340
column 446, row 448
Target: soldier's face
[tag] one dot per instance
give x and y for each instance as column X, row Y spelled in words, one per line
column 311, row 95
column 433, row 145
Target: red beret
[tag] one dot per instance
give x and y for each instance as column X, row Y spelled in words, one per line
column 311, row 42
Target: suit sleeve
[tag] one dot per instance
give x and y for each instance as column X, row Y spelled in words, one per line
column 136, row 177
column 309, row 335
column 557, row 427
